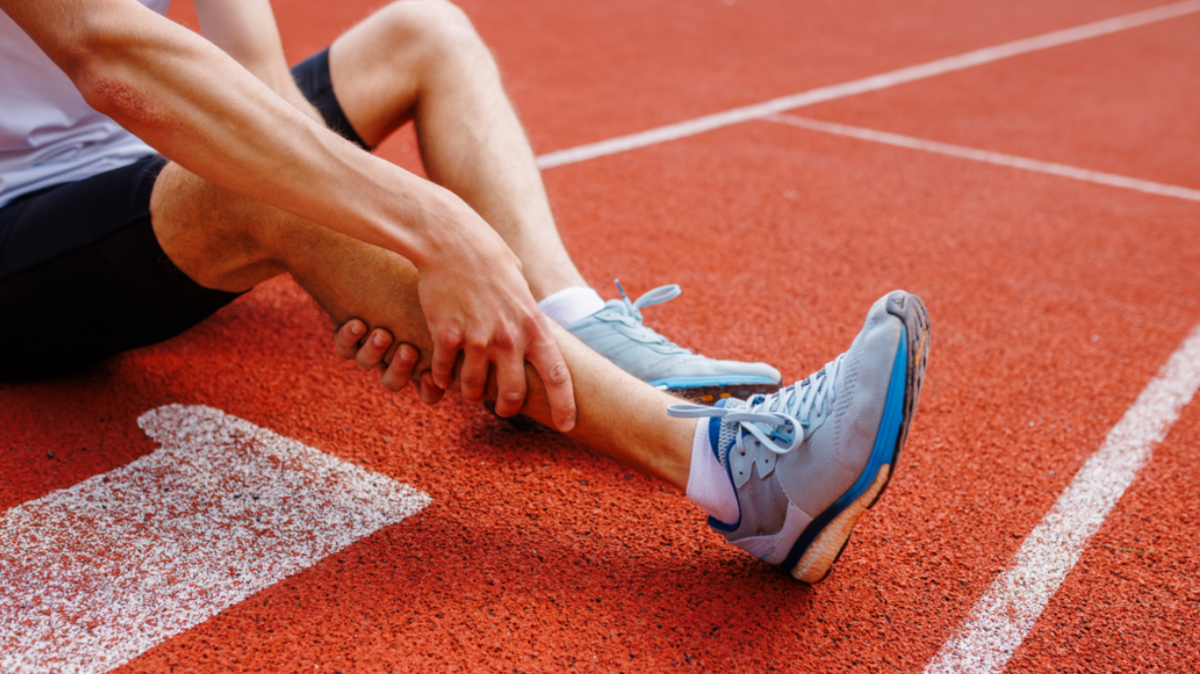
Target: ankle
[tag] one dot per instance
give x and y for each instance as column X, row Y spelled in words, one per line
column 571, row 304
column 708, row 484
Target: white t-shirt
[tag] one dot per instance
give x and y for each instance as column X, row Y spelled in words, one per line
column 48, row 134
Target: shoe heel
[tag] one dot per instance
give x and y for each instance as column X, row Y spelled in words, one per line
column 910, row 309
column 817, row 561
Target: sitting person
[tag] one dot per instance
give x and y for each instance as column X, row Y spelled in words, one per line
column 265, row 171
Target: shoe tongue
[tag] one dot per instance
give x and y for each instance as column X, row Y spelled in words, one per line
column 810, row 399
column 729, row 429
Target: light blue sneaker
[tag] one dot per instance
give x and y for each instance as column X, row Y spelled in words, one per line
column 617, row 333
column 807, row 461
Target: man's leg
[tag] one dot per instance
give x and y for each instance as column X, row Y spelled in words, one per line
column 228, row 242
column 784, row 477
column 423, row 61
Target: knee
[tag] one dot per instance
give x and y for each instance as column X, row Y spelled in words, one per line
column 435, row 28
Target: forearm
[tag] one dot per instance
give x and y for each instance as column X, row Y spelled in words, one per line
column 193, row 103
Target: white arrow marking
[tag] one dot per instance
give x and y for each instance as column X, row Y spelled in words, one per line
column 94, row 575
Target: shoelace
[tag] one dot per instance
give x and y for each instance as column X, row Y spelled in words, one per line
column 633, row 315
column 787, row 412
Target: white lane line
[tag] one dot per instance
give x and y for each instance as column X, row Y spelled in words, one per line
column 1013, row 161
column 1001, row 619
column 692, row 127
column 94, row 575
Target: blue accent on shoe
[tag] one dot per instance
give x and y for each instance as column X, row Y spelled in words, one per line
column 883, row 452
column 714, row 434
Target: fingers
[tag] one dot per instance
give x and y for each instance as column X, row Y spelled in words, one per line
column 445, row 352
column 400, row 372
column 548, row 361
column 373, row 349
column 472, row 378
column 370, row 350
column 345, row 340
column 430, row 392
column 511, row 386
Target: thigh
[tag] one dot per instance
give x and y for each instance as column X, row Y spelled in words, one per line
column 379, row 67
column 315, row 81
column 82, row 276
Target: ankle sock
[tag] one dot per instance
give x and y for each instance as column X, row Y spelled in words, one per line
column 571, row 304
column 708, row 483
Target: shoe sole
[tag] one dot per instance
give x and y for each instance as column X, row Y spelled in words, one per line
column 823, row 552
column 709, row 395
column 701, row 395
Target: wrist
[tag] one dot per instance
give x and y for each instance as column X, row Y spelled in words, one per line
column 445, row 230
column 410, row 216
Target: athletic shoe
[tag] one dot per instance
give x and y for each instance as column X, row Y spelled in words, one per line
column 617, row 332
column 807, row 461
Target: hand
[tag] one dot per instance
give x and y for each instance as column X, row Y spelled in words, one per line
column 477, row 302
column 371, row 353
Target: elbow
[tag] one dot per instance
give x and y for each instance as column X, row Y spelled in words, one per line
column 103, row 68
column 107, row 91
column 94, row 82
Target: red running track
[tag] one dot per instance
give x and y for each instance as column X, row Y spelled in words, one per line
column 1054, row 302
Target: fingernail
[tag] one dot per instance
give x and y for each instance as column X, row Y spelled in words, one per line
column 407, row 354
column 357, row 328
column 568, row 425
column 380, row 340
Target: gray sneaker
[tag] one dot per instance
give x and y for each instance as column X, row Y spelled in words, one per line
column 618, row 333
column 807, row 461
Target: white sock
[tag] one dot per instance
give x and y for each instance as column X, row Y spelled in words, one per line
column 708, row 483
column 571, row 304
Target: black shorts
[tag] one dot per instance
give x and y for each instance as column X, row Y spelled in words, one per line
column 82, row 276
